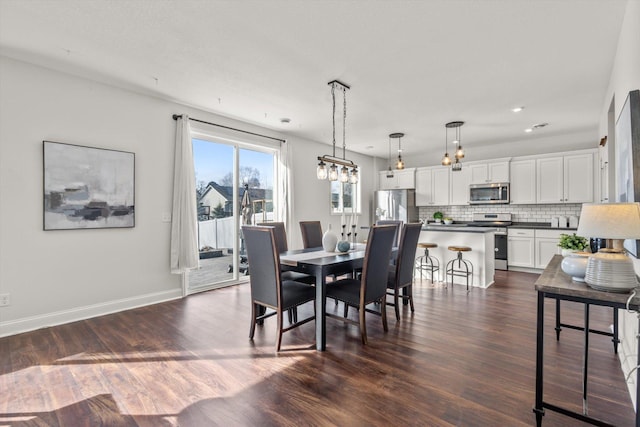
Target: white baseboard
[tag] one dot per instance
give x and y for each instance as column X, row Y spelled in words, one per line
column 26, row 324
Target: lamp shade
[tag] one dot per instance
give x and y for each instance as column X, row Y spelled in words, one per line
column 610, row 220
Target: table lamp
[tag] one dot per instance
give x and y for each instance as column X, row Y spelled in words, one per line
column 610, row 269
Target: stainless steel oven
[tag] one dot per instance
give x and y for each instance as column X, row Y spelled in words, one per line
column 500, row 223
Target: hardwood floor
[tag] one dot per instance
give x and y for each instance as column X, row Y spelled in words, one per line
column 460, row 360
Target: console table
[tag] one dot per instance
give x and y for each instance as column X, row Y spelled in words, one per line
column 554, row 283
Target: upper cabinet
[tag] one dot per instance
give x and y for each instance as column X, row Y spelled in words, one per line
column 565, row 179
column 459, row 186
column 523, row 182
column 432, row 186
column 483, row 173
column 401, row 179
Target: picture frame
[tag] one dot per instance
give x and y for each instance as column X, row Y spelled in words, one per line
column 87, row 187
column 628, row 158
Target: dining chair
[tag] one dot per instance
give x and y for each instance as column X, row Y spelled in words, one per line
column 401, row 274
column 268, row 290
column 311, row 234
column 398, row 225
column 372, row 285
column 280, row 234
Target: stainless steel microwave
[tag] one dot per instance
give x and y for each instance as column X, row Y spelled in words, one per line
column 489, row 194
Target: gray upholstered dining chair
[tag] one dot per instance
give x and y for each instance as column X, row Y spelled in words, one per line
column 280, row 234
column 398, row 225
column 311, row 234
column 268, row 290
column 401, row 274
column 372, row 285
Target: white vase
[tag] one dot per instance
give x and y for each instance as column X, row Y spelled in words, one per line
column 575, row 266
column 568, row 252
column 329, row 240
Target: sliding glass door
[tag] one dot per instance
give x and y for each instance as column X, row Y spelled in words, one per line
column 235, row 186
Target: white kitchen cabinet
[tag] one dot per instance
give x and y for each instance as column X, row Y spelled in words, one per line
column 459, row 187
column 401, row 179
column 565, row 179
column 520, row 247
column 523, row 182
column 546, row 244
column 432, row 186
column 482, row 173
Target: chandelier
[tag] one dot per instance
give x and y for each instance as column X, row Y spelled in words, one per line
column 349, row 170
column 459, row 153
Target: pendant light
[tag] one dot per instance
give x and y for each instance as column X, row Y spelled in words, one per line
column 390, row 171
column 446, row 160
column 349, row 170
column 459, row 150
column 400, row 162
column 459, row 153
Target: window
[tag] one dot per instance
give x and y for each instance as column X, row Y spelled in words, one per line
column 345, row 198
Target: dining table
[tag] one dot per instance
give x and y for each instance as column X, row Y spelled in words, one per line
column 321, row 263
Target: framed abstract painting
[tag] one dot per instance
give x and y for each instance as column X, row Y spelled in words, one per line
column 86, row 187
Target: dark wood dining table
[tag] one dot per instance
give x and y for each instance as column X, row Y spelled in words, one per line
column 317, row 262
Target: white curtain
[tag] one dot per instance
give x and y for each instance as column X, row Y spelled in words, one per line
column 184, row 220
column 286, row 186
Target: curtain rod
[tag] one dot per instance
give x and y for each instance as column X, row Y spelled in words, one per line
column 176, row 116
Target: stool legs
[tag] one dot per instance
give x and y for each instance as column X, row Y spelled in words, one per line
column 429, row 264
column 451, row 269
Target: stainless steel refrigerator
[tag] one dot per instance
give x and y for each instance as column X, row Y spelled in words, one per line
column 395, row 205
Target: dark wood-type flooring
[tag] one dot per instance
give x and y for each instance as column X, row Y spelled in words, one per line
column 460, row 360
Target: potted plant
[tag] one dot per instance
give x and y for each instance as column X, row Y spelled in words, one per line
column 571, row 243
column 437, row 216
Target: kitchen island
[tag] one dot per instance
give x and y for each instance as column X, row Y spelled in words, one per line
column 480, row 239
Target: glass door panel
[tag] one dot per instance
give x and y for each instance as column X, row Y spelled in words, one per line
column 223, row 172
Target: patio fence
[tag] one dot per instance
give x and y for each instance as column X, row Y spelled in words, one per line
column 218, row 233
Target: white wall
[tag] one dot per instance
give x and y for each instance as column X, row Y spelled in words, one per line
column 59, row 276
column 625, row 77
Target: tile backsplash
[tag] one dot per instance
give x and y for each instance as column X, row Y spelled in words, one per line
column 520, row 213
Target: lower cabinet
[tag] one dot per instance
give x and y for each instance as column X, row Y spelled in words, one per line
column 521, row 247
column 547, row 246
column 531, row 248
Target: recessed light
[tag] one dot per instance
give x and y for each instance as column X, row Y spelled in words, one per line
column 540, row 125
column 528, row 130
column 369, row 147
column 517, row 109
column 285, row 120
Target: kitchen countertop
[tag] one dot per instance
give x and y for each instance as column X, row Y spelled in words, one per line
column 462, row 226
column 457, row 228
column 539, row 225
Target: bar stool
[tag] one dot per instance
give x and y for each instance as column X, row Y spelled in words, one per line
column 451, row 269
column 427, row 263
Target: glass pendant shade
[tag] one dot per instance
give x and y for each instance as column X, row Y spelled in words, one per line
column 400, row 163
column 353, row 178
column 321, row 171
column 344, row 174
column 390, row 172
column 446, row 160
column 456, row 166
column 333, row 173
column 459, row 152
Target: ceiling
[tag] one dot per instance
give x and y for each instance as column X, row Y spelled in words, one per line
column 412, row 65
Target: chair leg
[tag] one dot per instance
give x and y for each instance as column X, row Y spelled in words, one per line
column 383, row 310
column 410, row 291
column 363, row 325
column 252, row 329
column 346, row 309
column 279, row 339
column 396, row 305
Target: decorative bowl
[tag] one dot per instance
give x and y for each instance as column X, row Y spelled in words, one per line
column 343, row 246
column 448, row 221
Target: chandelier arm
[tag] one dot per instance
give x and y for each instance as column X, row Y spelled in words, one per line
column 333, row 97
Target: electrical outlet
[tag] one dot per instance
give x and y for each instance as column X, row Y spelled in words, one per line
column 5, row 300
